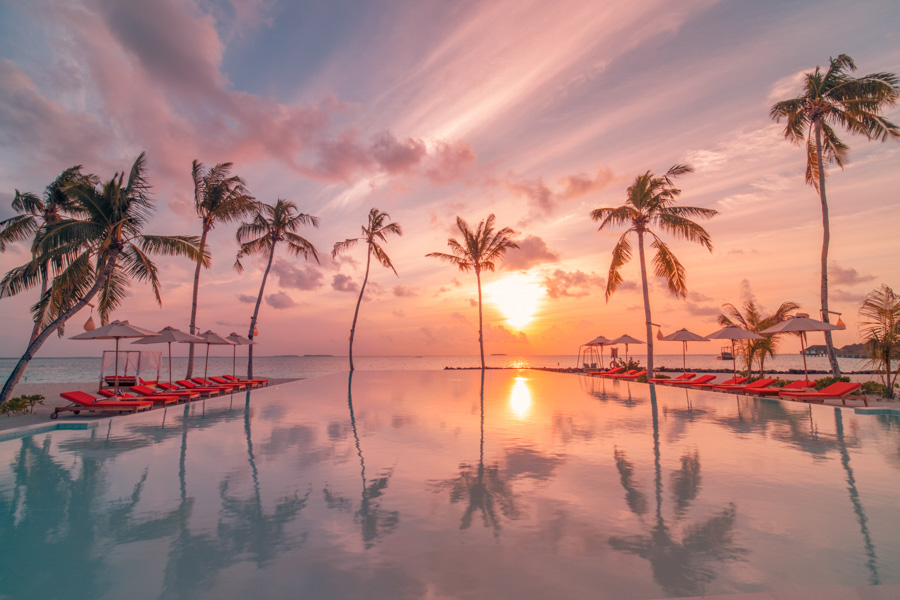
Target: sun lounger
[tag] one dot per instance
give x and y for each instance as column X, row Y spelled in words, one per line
column 159, row 400
column 690, row 382
column 200, row 392
column 182, row 395
column 631, row 377
column 759, row 384
column 607, row 373
column 234, row 385
column 710, row 385
column 220, row 381
column 124, row 380
column 725, row 387
column 619, row 375
column 792, row 386
column 682, row 377
column 839, row 390
column 83, row 401
column 194, row 387
column 260, row 382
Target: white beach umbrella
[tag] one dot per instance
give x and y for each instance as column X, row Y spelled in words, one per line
column 238, row 340
column 167, row 335
column 599, row 342
column 800, row 323
column 211, row 338
column 684, row 336
column 734, row 332
column 115, row 330
column 626, row 339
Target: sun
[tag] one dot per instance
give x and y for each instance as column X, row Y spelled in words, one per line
column 517, row 296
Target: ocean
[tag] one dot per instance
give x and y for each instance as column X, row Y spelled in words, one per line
column 66, row 369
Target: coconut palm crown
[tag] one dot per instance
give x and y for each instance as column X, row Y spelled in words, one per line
column 269, row 226
column 374, row 234
column 478, row 251
column 650, row 204
column 752, row 319
column 828, row 100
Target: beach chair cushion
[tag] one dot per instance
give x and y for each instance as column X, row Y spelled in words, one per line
column 88, row 401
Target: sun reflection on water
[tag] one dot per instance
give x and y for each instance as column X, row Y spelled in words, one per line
column 520, row 398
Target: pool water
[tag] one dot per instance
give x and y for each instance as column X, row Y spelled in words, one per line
column 441, row 484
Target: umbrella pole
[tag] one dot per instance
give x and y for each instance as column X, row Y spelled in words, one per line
column 733, row 362
column 206, row 366
column 170, row 364
column 117, row 367
column 684, row 358
column 803, row 352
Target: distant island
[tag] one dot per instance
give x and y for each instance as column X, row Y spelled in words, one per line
column 498, row 354
column 318, row 356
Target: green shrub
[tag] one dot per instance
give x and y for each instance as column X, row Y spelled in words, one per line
column 658, row 376
column 826, row 381
column 780, row 383
column 874, row 387
column 642, row 379
column 21, row 404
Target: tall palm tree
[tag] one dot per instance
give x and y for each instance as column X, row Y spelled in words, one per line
column 218, row 197
column 753, row 320
column 828, row 99
column 102, row 251
column 270, row 225
column 650, row 202
column 35, row 216
column 881, row 331
column 377, row 230
column 479, row 250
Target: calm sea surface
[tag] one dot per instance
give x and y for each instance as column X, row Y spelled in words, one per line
column 403, row 485
column 88, row 369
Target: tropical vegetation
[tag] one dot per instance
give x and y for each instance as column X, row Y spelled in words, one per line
column 376, row 230
column 650, row 205
column 480, row 250
column 755, row 352
column 880, row 328
column 219, row 197
column 828, row 99
column 270, row 225
column 98, row 252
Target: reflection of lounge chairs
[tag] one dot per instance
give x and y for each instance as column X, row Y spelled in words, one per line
column 682, row 377
column 691, row 382
column 83, row 401
column 839, row 390
column 771, row 391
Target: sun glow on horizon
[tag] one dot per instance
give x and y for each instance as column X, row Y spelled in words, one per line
column 517, row 297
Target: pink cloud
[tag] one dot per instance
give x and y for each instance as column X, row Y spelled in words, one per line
column 450, row 161
column 574, row 284
column 532, row 251
column 544, row 200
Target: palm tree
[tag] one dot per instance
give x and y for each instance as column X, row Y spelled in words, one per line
column 753, row 320
column 218, row 197
column 827, row 99
column 881, row 330
column 35, row 216
column 377, row 229
column 270, row 225
column 650, row 202
column 478, row 251
column 102, row 251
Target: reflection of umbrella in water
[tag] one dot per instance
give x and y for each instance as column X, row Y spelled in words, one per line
column 238, row 340
column 626, row 339
column 115, row 331
column 167, row 335
column 684, row 336
column 801, row 323
column 211, row 338
column 733, row 332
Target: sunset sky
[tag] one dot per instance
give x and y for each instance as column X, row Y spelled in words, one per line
column 538, row 112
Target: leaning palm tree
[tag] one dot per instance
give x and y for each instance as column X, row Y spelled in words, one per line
column 828, row 99
column 377, row 230
column 101, row 251
column 753, row 320
column 479, row 250
column 650, row 203
column 881, row 331
column 35, row 216
column 270, row 225
column 218, row 197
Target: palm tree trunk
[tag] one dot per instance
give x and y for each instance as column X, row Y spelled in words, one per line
column 262, row 288
column 358, row 302
column 826, row 238
column 39, row 319
column 36, row 344
column 647, row 317
column 480, row 327
column 193, row 326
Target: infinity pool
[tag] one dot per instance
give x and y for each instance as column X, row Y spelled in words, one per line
column 436, row 485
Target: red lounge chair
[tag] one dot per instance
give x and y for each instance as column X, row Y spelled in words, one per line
column 174, row 389
column 840, row 390
column 124, row 380
column 759, row 384
column 215, row 389
column 258, row 382
column 794, row 385
column 182, row 395
column 620, row 375
column 220, row 381
column 160, row 399
column 725, row 387
column 732, row 381
column 82, row 401
column 229, row 386
column 633, row 376
column 703, row 379
column 607, row 373
column 682, row 377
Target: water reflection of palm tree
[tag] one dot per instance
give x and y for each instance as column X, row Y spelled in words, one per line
column 682, row 567
column 483, row 487
column 872, row 562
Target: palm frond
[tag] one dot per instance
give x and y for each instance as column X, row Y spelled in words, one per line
column 621, row 254
column 667, row 265
column 187, row 246
column 16, row 229
column 383, row 258
column 21, row 278
column 683, row 228
column 462, row 263
column 340, row 247
column 299, row 246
